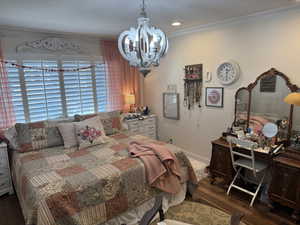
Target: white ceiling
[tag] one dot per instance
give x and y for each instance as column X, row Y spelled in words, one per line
column 110, row 17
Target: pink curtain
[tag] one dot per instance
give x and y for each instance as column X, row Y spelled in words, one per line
column 7, row 115
column 123, row 79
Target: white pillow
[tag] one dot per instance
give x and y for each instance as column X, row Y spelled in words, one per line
column 67, row 131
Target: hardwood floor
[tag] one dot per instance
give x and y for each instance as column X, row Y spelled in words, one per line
column 10, row 211
column 215, row 195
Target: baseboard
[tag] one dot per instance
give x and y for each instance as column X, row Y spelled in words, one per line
column 203, row 159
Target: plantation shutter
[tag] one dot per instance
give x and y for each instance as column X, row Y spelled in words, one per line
column 16, row 92
column 101, row 86
column 78, row 88
column 43, row 91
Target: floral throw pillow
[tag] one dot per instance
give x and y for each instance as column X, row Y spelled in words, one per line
column 90, row 132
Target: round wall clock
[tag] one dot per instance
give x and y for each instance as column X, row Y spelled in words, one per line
column 228, row 72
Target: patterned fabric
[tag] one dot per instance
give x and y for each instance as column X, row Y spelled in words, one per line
column 59, row 186
column 90, row 132
column 7, row 115
column 37, row 135
column 111, row 120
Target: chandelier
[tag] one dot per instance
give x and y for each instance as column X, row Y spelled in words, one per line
column 143, row 46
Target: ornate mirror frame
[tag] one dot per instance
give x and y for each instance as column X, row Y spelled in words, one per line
column 250, row 87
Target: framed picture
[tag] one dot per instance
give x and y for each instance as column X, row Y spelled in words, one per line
column 214, row 97
column 171, row 106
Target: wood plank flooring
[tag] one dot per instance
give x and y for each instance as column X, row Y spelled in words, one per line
column 215, row 195
column 10, row 211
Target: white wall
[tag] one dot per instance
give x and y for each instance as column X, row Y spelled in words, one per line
column 257, row 44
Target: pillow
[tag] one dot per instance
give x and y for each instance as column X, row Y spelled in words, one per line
column 111, row 121
column 67, row 131
column 90, row 132
column 37, row 135
column 11, row 135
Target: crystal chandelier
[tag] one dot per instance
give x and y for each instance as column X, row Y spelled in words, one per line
column 143, row 46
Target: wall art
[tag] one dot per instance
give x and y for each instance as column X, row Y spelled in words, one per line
column 214, row 97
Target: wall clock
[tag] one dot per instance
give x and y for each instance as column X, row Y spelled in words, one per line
column 228, row 72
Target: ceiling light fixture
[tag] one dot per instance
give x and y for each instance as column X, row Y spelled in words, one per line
column 176, row 24
column 143, row 46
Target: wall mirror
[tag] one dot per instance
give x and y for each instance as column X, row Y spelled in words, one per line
column 262, row 102
column 295, row 136
column 171, row 106
column 242, row 97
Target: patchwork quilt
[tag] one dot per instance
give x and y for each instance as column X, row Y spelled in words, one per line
column 58, row 186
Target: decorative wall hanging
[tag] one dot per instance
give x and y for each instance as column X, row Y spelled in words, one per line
column 51, row 44
column 193, row 85
column 171, row 106
column 143, row 46
column 214, row 97
column 46, row 69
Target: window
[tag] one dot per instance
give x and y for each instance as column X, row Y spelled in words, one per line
column 40, row 95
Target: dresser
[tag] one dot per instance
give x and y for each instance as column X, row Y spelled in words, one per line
column 5, row 178
column 146, row 127
column 285, row 184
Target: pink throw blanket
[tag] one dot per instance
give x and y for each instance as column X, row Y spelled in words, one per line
column 162, row 166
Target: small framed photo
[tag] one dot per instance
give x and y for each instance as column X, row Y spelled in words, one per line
column 214, row 97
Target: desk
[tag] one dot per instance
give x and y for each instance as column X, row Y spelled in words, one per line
column 220, row 163
column 285, row 173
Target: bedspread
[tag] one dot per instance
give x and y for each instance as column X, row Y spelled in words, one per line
column 57, row 186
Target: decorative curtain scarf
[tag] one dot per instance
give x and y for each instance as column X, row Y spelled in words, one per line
column 123, row 79
column 7, row 115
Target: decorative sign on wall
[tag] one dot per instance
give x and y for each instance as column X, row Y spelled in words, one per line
column 268, row 84
column 50, row 44
column 193, row 85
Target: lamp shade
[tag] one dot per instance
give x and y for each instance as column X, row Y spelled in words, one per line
column 130, row 99
column 293, row 98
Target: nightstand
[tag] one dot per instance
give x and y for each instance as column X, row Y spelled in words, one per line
column 5, row 178
column 146, row 127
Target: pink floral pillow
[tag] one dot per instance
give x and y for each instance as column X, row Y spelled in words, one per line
column 90, row 132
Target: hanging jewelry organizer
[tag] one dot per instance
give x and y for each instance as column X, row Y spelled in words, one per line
column 193, row 85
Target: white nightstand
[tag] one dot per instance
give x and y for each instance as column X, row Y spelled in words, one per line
column 5, row 178
column 146, row 127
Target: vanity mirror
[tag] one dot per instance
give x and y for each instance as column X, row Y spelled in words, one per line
column 262, row 102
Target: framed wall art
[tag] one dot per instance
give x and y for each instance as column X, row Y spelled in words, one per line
column 214, row 97
column 171, row 106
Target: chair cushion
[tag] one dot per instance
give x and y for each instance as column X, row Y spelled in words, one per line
column 247, row 163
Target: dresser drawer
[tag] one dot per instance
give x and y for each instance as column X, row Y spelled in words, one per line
column 150, row 120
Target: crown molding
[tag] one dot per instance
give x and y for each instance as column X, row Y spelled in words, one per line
column 231, row 21
column 6, row 29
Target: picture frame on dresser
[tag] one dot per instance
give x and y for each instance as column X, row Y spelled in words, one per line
column 171, row 106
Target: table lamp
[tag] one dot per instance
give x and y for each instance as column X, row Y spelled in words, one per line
column 293, row 98
column 130, row 100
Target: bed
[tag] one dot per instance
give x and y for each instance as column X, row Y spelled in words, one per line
column 97, row 185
